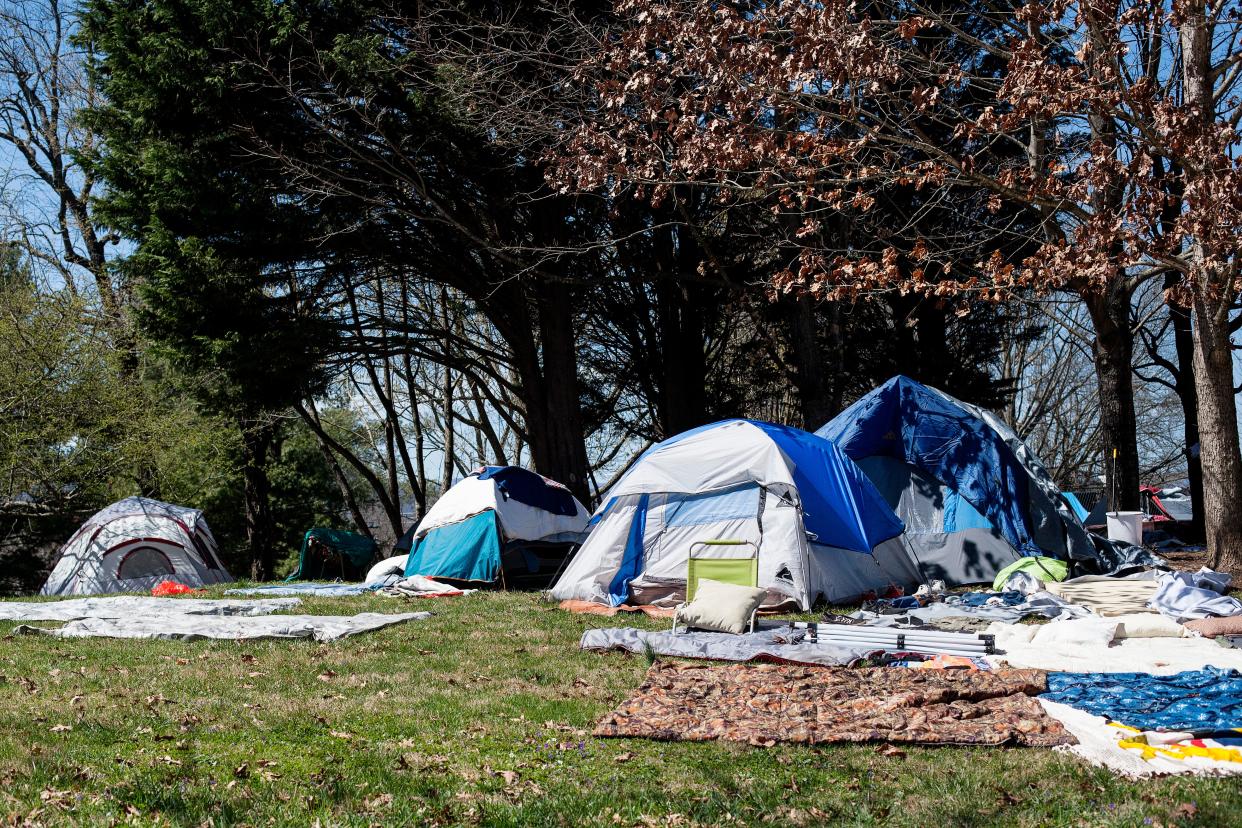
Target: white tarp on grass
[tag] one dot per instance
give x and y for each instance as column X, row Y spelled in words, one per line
column 136, row 606
column 183, row 627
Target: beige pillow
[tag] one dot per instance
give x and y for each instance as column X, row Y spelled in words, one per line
column 721, row 607
column 1076, row 632
column 1147, row 625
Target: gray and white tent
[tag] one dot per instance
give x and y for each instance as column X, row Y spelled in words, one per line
column 133, row 545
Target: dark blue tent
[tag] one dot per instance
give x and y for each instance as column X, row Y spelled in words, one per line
column 524, row 486
column 907, row 420
column 972, row 495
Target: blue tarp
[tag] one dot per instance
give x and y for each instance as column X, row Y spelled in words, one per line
column 1080, row 511
column 525, row 486
column 466, row 551
column 1207, row 699
column 310, row 588
column 906, row 420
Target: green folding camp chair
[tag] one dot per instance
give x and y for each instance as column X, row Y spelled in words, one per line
column 735, row 569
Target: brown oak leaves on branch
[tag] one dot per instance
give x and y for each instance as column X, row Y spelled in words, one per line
column 1073, row 110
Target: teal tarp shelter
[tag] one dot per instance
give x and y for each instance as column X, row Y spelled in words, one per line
column 329, row 554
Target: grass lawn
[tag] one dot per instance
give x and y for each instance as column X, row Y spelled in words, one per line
column 481, row 714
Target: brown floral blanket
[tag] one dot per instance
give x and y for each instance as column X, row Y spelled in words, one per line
column 766, row 704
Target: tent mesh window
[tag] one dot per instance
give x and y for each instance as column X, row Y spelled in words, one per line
column 144, row 562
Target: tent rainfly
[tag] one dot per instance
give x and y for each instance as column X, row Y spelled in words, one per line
column 973, row 496
column 133, row 545
column 501, row 524
column 328, row 554
column 820, row 526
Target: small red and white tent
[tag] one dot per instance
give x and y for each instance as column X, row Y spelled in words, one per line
column 133, row 545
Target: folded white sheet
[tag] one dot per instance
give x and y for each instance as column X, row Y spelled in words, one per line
column 1159, row 656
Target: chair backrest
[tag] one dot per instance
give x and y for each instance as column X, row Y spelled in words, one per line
column 740, row 570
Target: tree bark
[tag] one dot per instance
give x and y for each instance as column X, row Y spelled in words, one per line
column 932, row 332
column 1184, row 345
column 257, row 439
column 416, row 472
column 683, row 397
column 919, row 330
column 1184, row 351
column 816, row 397
column 1215, row 291
column 1218, row 435
column 418, row 483
column 1114, row 353
column 557, row 439
column 446, row 398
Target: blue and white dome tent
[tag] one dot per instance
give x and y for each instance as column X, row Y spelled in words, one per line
column 502, row 524
column 820, row 526
column 973, row 496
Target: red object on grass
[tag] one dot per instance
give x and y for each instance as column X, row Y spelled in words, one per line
column 164, row 589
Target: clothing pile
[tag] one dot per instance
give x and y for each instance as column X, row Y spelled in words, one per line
column 1143, row 668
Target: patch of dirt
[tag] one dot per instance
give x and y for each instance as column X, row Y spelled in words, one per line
column 1189, row 559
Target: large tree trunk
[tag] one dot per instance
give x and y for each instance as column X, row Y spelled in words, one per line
column 1110, row 308
column 1215, row 290
column 817, row 393
column 683, row 392
column 920, row 350
column 1218, row 435
column 554, row 414
column 257, row 439
column 418, row 473
column 1114, row 352
column 932, row 332
column 447, row 399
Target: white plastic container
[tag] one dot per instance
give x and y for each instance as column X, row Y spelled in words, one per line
column 1125, row 526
